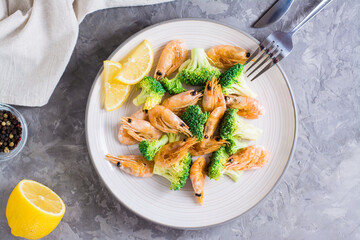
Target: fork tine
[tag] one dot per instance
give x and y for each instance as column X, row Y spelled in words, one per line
column 268, row 56
column 274, row 60
column 256, row 61
column 254, row 54
column 259, row 50
column 271, row 63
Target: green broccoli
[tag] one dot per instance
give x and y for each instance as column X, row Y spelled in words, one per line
column 176, row 173
column 195, row 119
column 217, row 164
column 234, row 128
column 173, row 137
column 233, row 174
column 233, row 82
column 197, row 70
column 173, row 86
column 234, row 144
column 151, row 93
column 149, row 149
column 217, row 169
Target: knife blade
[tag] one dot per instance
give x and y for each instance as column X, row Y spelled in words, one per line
column 275, row 12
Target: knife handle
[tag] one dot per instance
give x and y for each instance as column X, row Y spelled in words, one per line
column 312, row 14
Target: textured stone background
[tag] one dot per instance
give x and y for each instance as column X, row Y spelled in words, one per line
column 319, row 195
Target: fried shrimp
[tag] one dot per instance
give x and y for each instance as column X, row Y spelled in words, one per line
column 210, row 146
column 214, row 102
column 140, row 129
column 248, row 158
column 249, row 108
column 197, row 177
column 173, row 152
column 173, row 55
column 179, row 102
column 133, row 164
column 213, row 96
column 212, row 123
column 225, row 56
column 123, row 136
column 166, row 121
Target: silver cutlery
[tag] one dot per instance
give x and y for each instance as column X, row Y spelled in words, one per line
column 274, row 13
column 276, row 46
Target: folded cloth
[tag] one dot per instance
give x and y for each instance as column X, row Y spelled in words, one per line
column 37, row 38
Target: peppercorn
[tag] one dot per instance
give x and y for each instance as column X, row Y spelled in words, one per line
column 10, row 131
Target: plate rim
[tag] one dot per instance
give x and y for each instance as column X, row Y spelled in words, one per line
column 185, row 20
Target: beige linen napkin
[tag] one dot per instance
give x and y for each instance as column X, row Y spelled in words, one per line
column 37, row 38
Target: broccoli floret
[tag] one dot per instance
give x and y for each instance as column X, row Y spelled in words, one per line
column 233, row 127
column 151, row 93
column 233, row 174
column 197, row 70
column 195, row 119
column 173, row 137
column 176, row 173
column 217, row 164
column 173, row 86
column 234, row 145
column 149, row 149
column 217, row 169
column 233, row 82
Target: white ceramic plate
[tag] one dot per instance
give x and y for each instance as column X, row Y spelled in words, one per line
column 224, row 199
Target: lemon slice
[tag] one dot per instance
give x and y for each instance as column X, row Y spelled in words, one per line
column 137, row 64
column 115, row 92
column 33, row 210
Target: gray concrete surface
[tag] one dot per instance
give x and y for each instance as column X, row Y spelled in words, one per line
column 318, row 196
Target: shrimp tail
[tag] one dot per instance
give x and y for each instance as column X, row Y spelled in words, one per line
column 200, row 197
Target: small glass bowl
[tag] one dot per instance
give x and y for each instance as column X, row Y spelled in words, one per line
column 21, row 144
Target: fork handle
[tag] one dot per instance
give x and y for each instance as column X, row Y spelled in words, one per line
column 315, row 11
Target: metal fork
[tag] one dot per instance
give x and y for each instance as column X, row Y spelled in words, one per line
column 277, row 46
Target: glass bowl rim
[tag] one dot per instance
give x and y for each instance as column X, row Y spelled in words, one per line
column 24, row 135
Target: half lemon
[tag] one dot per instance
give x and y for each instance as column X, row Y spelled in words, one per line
column 33, row 210
column 137, row 64
column 115, row 92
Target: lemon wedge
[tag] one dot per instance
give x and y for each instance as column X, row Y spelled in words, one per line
column 33, row 210
column 115, row 92
column 137, row 64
